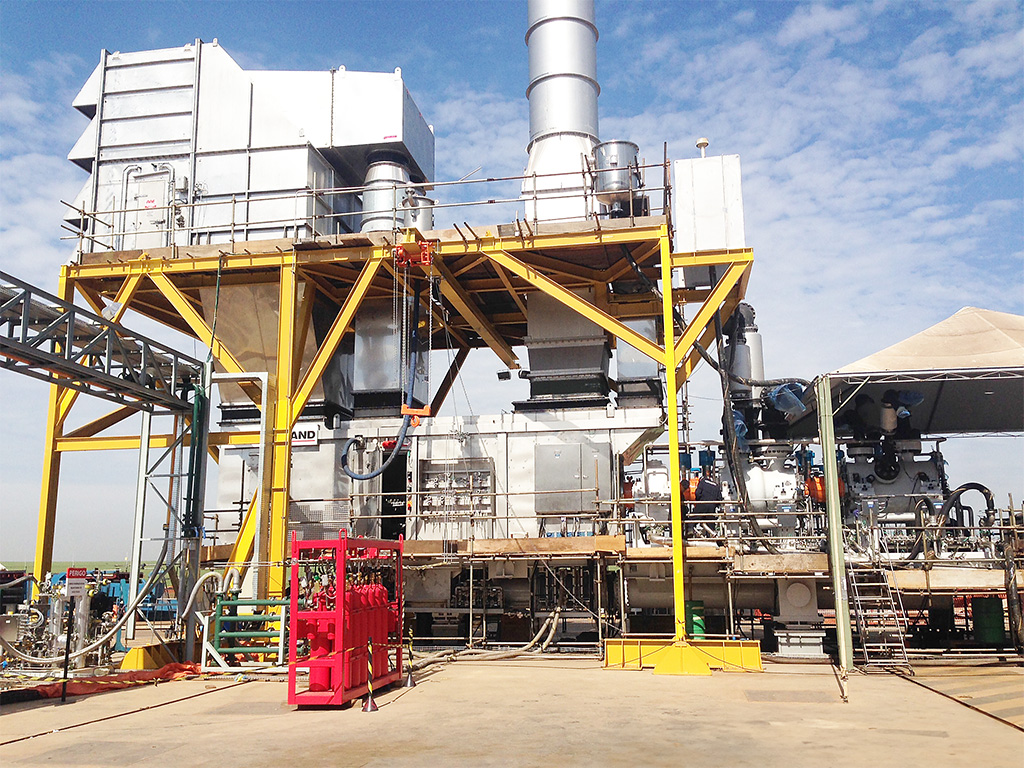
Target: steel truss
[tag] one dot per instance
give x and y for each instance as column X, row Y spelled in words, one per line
column 53, row 340
column 483, row 278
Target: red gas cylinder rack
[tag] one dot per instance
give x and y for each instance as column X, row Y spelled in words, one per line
column 335, row 620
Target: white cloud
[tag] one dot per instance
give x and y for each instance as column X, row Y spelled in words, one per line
column 818, row 21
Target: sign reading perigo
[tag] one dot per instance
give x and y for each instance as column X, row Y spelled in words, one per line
column 306, row 434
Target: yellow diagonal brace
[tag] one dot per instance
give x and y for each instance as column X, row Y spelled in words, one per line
column 190, row 315
column 712, row 258
column 103, row 422
column 508, row 286
column 124, row 295
column 689, row 365
column 574, row 302
column 242, row 549
column 472, row 313
column 334, row 335
column 706, row 313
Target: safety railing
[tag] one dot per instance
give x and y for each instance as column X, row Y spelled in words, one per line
column 232, row 638
column 226, row 219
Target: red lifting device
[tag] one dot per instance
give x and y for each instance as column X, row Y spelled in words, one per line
column 346, row 603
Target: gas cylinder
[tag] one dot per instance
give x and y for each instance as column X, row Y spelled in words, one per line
column 348, row 634
column 320, row 648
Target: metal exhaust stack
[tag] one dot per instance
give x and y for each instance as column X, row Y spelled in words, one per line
column 562, row 41
column 568, row 354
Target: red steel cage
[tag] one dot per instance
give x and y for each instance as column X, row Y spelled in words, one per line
column 345, row 618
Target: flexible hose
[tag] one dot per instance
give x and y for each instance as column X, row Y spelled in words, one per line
column 195, row 590
column 400, row 440
column 947, row 506
column 109, row 634
column 17, row 581
column 742, row 379
column 549, row 626
column 929, row 507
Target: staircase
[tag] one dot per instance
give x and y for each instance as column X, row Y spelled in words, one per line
column 879, row 619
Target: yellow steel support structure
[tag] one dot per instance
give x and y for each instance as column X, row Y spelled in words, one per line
column 281, row 437
column 163, row 284
column 679, row 655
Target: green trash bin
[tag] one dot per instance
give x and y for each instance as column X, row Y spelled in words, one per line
column 694, row 619
column 988, row 621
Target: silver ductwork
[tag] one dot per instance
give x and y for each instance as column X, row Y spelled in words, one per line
column 387, row 178
column 562, row 42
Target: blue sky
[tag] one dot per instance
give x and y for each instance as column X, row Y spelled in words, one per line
column 881, row 144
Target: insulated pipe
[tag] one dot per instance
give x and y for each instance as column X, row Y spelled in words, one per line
column 195, row 590
column 562, row 43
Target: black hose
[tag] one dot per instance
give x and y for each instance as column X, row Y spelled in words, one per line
column 743, row 380
column 947, row 506
column 919, row 542
column 400, row 440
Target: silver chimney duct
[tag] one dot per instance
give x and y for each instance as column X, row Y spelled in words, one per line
column 562, row 42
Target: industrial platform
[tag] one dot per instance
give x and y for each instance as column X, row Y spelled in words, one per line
column 546, row 711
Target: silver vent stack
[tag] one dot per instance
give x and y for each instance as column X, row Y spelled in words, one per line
column 562, row 41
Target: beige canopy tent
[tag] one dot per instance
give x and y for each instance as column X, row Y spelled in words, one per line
column 969, row 369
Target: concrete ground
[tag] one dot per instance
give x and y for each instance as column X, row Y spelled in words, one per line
column 537, row 712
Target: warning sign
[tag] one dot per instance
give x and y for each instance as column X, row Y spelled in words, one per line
column 76, row 582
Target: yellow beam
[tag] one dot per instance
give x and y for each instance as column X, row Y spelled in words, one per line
column 438, row 319
column 43, row 559
column 331, row 341
column 73, row 442
column 124, row 295
column 706, row 313
column 508, row 285
column 287, row 409
column 103, row 422
column 183, row 305
column 582, row 306
column 693, row 359
column 468, row 309
column 245, row 542
column 615, row 271
column 712, row 258
column 676, row 501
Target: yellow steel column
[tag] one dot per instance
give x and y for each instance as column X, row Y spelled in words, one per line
column 55, row 415
column 672, row 399
column 281, row 452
